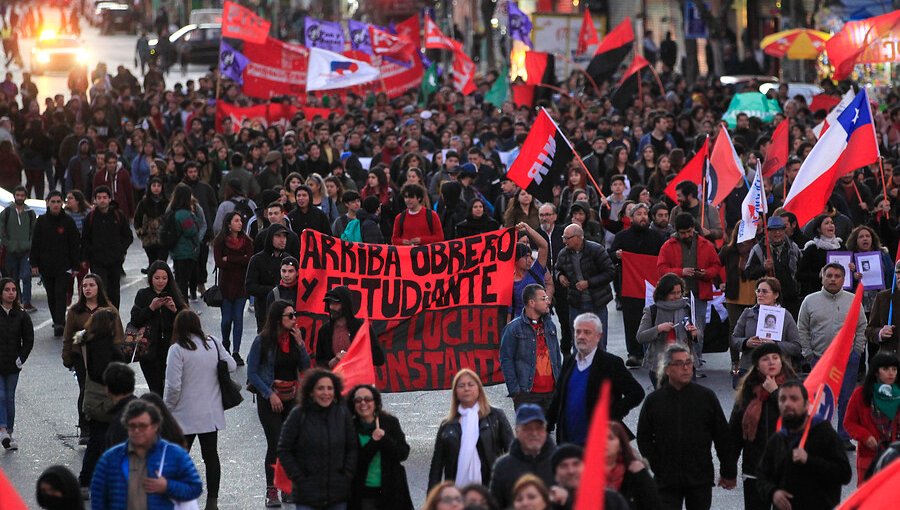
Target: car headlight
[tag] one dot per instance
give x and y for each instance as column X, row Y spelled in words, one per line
column 43, row 58
column 82, row 57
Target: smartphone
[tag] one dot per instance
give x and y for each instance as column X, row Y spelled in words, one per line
column 685, row 321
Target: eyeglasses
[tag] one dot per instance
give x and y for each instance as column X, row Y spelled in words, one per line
column 292, row 315
column 360, row 400
column 449, row 500
column 139, row 426
column 681, row 364
column 566, row 238
column 763, row 291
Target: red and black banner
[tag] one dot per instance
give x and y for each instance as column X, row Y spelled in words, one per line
column 543, row 159
column 630, row 84
column 612, row 51
column 435, row 308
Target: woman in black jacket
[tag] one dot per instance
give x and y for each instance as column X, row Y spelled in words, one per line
column 155, row 307
column 477, row 221
column 16, row 342
column 472, row 430
column 148, row 217
column 380, row 480
column 318, row 445
column 755, row 414
column 627, row 473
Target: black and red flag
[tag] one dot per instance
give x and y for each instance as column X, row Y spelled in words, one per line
column 543, row 159
column 612, row 51
column 630, row 84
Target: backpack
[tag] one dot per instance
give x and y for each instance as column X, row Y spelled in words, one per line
column 352, row 232
column 242, row 207
column 168, row 231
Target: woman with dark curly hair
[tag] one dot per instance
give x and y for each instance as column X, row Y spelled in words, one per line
column 380, row 481
column 872, row 418
column 318, row 447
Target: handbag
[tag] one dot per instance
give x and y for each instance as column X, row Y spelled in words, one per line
column 231, row 391
column 193, row 504
column 286, row 390
column 136, row 346
column 213, row 295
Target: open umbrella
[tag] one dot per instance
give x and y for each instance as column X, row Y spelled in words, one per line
column 795, row 44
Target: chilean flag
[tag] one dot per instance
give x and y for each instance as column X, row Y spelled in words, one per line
column 847, row 145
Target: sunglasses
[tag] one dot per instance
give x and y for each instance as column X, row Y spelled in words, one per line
column 360, row 400
column 292, row 315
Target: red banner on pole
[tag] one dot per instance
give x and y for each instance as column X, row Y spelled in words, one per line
column 241, row 23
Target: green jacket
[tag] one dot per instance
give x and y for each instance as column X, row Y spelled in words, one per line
column 188, row 245
column 16, row 229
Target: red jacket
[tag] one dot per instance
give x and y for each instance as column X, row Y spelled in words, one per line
column 669, row 261
column 858, row 422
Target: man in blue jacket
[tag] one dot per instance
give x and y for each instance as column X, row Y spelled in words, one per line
column 529, row 351
column 146, row 466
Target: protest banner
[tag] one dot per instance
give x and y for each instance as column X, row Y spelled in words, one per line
column 275, row 69
column 435, row 308
column 266, row 114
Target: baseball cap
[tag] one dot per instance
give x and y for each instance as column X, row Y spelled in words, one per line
column 528, row 413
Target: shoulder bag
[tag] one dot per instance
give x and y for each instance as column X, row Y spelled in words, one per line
column 231, row 391
column 213, row 295
column 136, row 346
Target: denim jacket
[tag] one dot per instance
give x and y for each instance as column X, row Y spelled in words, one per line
column 262, row 377
column 518, row 352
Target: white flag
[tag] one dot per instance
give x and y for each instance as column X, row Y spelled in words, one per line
column 328, row 71
column 753, row 209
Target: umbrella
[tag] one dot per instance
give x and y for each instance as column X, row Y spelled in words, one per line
column 795, row 44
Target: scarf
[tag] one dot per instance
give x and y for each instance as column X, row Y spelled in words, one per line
column 750, row 422
column 468, row 468
column 674, row 311
column 284, row 342
column 234, row 242
column 615, row 475
column 826, row 244
column 886, row 399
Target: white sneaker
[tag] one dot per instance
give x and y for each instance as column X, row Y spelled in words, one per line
column 13, row 445
column 5, row 440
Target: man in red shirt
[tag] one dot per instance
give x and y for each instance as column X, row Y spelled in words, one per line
column 416, row 225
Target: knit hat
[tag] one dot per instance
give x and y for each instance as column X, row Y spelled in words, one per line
column 762, row 350
column 371, row 204
column 564, row 452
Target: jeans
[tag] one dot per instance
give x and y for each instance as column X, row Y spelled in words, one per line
column 8, row 384
column 233, row 321
column 18, row 267
column 210, row 454
column 575, row 311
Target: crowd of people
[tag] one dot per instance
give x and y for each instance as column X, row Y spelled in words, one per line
column 128, row 161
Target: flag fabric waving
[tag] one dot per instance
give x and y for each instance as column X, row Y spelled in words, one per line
column 326, row 35
column 612, row 51
column 535, row 67
column 356, row 367
column 385, row 43
column 725, row 168
column 832, row 116
column 410, row 29
column 543, row 159
column 330, row 71
column 778, row 151
column 519, row 25
column 463, row 72
column 499, row 90
column 847, row 145
column 692, row 171
column 630, row 84
column 753, row 210
column 275, row 69
column 878, row 492
column 8, row 495
column 592, row 496
column 241, row 23
column 436, row 40
column 359, row 36
column 587, row 36
column 638, row 271
column 232, row 63
column 868, row 41
column 829, row 371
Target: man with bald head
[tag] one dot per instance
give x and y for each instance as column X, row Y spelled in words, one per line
column 585, row 270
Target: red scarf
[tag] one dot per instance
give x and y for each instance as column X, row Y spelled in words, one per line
column 284, row 342
column 234, row 242
column 615, row 475
column 750, row 422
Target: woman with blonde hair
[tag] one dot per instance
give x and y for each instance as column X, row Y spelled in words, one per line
column 444, row 496
column 471, row 437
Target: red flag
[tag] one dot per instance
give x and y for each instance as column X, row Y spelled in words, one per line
column 523, row 95
column 276, row 69
column 356, row 367
column 241, row 23
column 435, row 39
column 384, row 43
column 587, row 36
column 411, row 29
column 591, row 494
column 535, row 66
column 463, row 73
column 267, row 114
column 281, row 481
column 543, row 159
column 725, row 168
column 829, row 371
column 612, row 50
column 692, row 171
column 823, row 102
column 876, row 493
column 8, row 495
column 636, row 269
column 868, row 41
column 778, row 151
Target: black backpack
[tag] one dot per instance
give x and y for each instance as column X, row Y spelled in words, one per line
column 168, row 231
column 242, row 207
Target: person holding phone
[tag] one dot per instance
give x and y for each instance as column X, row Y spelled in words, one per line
column 155, row 307
column 277, row 358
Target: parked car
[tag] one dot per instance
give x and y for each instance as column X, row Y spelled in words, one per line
column 194, row 43
column 114, row 16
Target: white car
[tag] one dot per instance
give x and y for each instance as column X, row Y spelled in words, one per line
column 54, row 52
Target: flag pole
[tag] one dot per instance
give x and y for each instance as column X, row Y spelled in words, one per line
column 703, row 195
column 765, row 207
column 883, row 182
column 890, row 319
column 811, row 414
column 591, row 177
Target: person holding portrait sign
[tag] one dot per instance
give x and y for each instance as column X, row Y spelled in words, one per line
column 766, row 322
column 871, row 264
